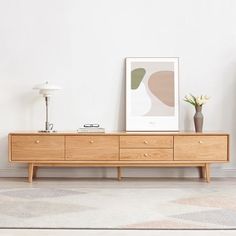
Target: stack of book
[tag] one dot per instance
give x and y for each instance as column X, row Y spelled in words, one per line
column 91, row 128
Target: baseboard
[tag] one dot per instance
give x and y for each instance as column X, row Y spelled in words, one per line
column 111, row 172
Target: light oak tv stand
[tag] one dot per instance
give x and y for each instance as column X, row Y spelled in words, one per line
column 119, row 149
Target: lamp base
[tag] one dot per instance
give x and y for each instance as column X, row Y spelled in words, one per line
column 47, row 131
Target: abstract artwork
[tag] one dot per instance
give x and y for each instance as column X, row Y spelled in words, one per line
column 152, row 94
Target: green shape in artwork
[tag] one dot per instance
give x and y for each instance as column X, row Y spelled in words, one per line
column 137, row 77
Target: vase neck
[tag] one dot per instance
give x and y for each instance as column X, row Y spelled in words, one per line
column 198, row 108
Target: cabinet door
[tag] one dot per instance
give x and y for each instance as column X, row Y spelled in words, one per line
column 92, row 148
column 146, row 154
column 201, row 148
column 146, row 141
column 37, row 148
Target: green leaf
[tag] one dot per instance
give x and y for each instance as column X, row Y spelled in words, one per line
column 194, row 98
column 189, row 102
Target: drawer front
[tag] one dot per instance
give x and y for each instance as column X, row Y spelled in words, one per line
column 92, row 148
column 201, row 148
column 146, row 141
column 146, row 154
column 37, row 148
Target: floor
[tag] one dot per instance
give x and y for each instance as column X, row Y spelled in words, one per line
column 111, row 183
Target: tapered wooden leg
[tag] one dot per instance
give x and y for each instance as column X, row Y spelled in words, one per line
column 30, row 172
column 119, row 173
column 35, row 170
column 208, row 177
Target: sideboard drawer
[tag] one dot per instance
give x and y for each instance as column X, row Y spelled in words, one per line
column 37, row 148
column 146, row 154
column 92, row 148
column 201, row 148
column 146, row 141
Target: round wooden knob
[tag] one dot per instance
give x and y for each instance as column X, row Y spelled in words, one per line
column 146, row 155
column 91, row 141
column 200, row 142
column 145, row 141
column 37, row 142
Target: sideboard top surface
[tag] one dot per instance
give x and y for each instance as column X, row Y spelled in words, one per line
column 120, row 133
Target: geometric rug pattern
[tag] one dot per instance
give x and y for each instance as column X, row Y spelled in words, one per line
column 203, row 206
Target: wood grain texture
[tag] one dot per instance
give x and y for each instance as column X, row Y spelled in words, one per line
column 9, row 147
column 200, row 148
column 146, row 154
column 122, row 133
column 92, row 148
column 120, row 149
column 30, row 172
column 207, row 173
column 146, row 141
column 33, row 148
column 120, row 164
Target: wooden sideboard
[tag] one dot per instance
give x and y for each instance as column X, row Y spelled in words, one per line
column 120, row 149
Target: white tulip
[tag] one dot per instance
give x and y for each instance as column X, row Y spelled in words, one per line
column 197, row 100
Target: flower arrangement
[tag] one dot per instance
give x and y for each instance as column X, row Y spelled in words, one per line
column 196, row 100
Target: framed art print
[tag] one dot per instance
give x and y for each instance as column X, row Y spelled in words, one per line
column 152, row 94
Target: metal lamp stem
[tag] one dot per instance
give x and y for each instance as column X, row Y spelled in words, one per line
column 47, row 122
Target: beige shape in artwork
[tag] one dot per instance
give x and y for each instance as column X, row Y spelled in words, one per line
column 161, row 84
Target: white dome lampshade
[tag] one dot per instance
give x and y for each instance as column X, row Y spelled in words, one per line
column 46, row 89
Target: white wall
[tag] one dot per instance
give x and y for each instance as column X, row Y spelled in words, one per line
column 81, row 45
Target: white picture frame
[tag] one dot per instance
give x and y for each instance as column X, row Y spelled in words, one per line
column 152, row 94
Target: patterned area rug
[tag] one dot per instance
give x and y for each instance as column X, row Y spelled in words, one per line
column 198, row 206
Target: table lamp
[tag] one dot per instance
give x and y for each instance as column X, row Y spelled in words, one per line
column 47, row 90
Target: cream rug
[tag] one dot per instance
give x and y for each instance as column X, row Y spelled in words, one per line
column 118, row 205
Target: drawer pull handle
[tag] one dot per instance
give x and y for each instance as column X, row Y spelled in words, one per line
column 146, row 155
column 37, row 142
column 200, row 142
column 145, row 141
column 91, row 141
